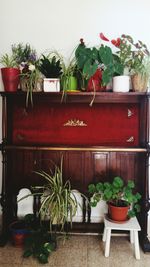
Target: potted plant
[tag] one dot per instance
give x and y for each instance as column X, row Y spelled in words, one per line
column 139, row 63
column 121, row 199
column 21, row 228
column 57, row 199
column 39, row 244
column 30, row 77
column 50, row 67
column 135, row 58
column 58, row 202
column 121, row 81
column 69, row 75
column 10, row 73
column 30, row 234
column 98, row 64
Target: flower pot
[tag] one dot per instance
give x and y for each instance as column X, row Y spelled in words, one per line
column 121, row 83
column 11, row 79
column 95, row 82
column 71, row 83
column 51, row 85
column 36, row 86
column 18, row 233
column 118, row 213
column 139, row 83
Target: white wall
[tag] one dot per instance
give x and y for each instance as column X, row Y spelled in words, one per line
column 60, row 24
column 49, row 24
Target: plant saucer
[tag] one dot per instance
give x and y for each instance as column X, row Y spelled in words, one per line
column 73, row 91
column 114, row 221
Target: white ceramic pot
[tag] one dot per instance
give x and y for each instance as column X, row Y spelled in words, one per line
column 121, row 83
column 51, row 85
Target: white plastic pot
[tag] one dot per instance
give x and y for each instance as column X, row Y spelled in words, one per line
column 121, row 83
column 51, row 85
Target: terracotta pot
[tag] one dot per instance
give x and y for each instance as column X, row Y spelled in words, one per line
column 118, row 213
column 139, row 83
column 11, row 79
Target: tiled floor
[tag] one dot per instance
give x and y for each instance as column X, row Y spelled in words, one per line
column 80, row 251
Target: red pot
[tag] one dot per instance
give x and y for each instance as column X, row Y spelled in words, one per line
column 94, row 83
column 18, row 239
column 18, row 232
column 118, row 213
column 11, row 79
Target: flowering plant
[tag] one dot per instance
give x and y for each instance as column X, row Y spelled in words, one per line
column 28, row 62
column 133, row 55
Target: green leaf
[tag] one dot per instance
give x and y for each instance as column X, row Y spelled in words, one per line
column 43, row 258
column 137, row 207
column 107, row 194
column 138, row 196
column 118, row 68
column 99, row 187
column 89, row 68
column 93, row 203
column 107, row 75
column 131, row 213
column 91, row 188
column 118, row 182
column 106, row 55
column 131, row 184
column 27, row 253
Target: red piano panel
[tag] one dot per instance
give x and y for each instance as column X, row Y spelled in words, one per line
column 77, row 124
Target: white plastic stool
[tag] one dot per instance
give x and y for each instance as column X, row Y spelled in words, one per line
column 132, row 225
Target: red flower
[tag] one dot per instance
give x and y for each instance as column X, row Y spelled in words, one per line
column 116, row 42
column 101, row 35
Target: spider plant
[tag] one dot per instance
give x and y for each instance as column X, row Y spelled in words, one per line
column 58, row 202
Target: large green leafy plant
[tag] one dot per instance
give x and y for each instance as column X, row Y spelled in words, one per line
column 90, row 59
column 39, row 244
column 118, row 193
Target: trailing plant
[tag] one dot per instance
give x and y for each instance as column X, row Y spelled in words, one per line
column 30, row 76
column 117, row 193
column 39, row 244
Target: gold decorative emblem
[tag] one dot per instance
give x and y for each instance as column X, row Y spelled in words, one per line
column 130, row 113
column 75, row 122
column 130, row 140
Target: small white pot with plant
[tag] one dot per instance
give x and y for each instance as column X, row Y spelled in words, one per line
column 50, row 67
